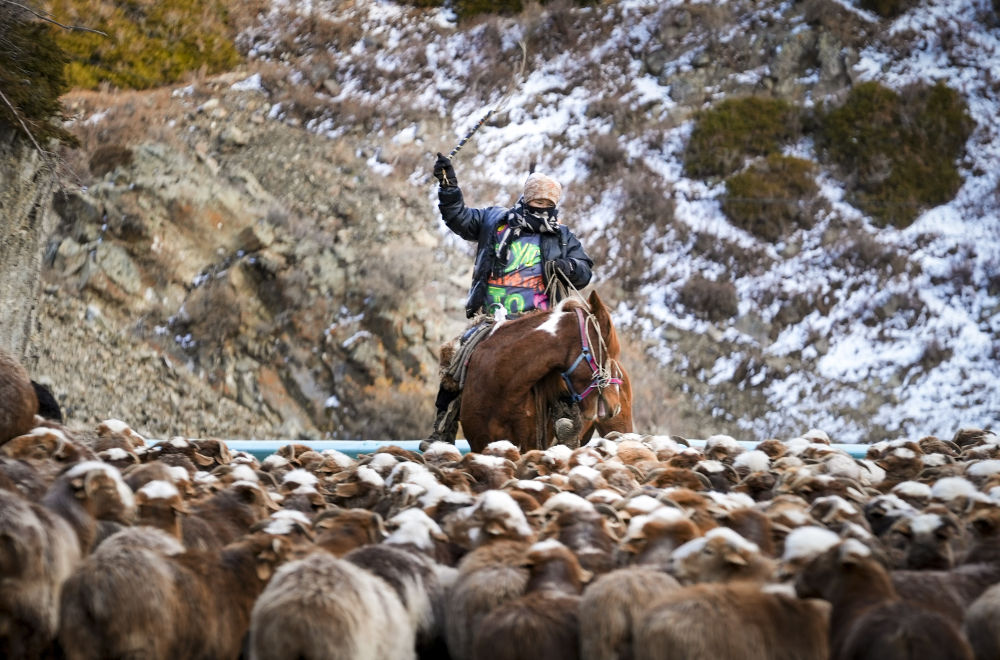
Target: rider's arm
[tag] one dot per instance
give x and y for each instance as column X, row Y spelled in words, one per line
column 457, row 216
column 582, row 264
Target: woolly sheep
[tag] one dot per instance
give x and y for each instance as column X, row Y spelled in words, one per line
column 487, row 577
column 611, row 606
column 544, row 622
column 18, row 402
column 721, row 555
column 38, row 551
column 868, row 619
column 324, row 607
column 757, row 625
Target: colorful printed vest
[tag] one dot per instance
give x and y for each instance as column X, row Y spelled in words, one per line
column 521, row 286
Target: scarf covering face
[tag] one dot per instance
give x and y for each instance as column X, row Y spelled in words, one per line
column 521, row 219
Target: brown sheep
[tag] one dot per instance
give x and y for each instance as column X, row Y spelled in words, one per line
column 612, row 605
column 737, row 620
column 338, row 531
column 487, row 577
column 38, row 551
column 932, row 540
column 587, row 534
column 651, row 539
column 544, row 622
column 86, row 494
column 868, row 619
column 721, row 555
column 982, row 624
column 133, row 599
column 18, row 402
column 225, row 516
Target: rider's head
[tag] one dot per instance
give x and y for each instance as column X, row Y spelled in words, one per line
column 541, row 191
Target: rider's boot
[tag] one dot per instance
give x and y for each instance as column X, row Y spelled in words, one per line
column 568, row 423
column 445, row 429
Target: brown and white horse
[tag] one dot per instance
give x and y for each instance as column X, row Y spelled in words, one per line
column 568, row 352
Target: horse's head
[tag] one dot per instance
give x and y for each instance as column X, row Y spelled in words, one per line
column 595, row 378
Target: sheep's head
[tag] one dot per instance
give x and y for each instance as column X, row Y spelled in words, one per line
column 159, row 504
column 338, row 531
column 801, row 546
column 494, row 516
column 502, row 449
column 44, row 443
column 719, row 556
column 210, row 453
column 651, row 538
column 269, row 552
column 360, row 487
column 636, row 453
column 722, row 448
column 927, row 540
column 487, row 472
column 554, row 567
column 882, row 511
column 101, row 490
column 846, row 566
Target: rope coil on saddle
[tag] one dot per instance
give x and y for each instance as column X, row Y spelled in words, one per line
column 459, row 367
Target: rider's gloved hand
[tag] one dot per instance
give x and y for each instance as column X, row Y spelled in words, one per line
column 565, row 265
column 444, row 172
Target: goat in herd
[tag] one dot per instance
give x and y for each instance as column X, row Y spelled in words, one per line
column 113, row 545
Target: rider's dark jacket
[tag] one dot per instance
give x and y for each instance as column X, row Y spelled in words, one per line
column 481, row 225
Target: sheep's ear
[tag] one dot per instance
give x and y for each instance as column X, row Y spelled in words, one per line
column 203, row 460
column 264, row 571
column 494, row 528
column 347, row 489
column 77, row 485
column 380, row 530
column 735, row 558
column 853, row 552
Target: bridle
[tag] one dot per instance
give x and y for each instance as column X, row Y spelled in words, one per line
column 600, row 377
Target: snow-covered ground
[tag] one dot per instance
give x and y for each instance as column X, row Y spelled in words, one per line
column 545, row 118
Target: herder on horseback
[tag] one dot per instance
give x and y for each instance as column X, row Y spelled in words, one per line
column 525, row 258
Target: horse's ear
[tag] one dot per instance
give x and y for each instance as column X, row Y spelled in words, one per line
column 596, row 304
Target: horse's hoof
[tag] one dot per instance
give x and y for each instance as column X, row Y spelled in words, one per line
column 565, row 430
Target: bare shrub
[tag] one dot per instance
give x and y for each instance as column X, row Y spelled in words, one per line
column 655, row 408
column 213, row 310
column 708, row 299
column 862, row 251
column 647, row 210
column 606, row 156
column 394, row 411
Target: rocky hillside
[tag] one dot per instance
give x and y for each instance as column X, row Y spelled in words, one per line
column 258, row 254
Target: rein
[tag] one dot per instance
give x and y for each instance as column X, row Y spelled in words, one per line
column 600, row 377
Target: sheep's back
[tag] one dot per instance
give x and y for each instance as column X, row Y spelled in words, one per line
column 611, row 606
column 686, row 625
column 538, row 625
column 322, row 607
column 899, row 630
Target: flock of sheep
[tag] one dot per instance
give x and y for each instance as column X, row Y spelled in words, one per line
column 115, row 546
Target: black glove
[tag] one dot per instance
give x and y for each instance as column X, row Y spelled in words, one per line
column 444, row 172
column 566, row 266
